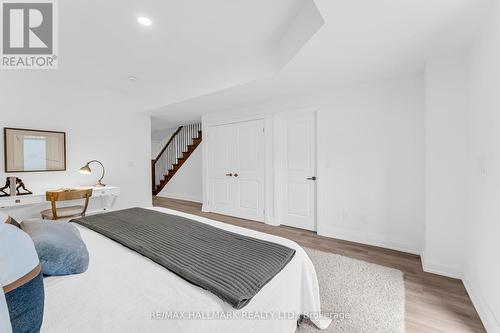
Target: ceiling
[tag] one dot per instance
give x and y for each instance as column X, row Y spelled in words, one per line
column 193, row 47
column 180, row 55
column 361, row 40
column 201, row 56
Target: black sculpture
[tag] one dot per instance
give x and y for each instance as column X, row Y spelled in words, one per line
column 19, row 186
column 7, row 186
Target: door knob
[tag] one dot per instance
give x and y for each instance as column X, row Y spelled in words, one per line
column 229, row 174
column 311, row 178
column 236, row 175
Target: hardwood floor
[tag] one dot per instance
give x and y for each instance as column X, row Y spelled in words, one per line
column 433, row 303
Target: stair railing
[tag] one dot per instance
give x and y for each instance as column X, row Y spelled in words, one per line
column 172, row 152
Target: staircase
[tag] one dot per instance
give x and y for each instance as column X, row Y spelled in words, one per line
column 173, row 155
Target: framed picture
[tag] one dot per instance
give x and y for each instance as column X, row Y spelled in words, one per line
column 27, row 150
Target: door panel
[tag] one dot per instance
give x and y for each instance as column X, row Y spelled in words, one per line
column 298, row 199
column 298, row 163
column 249, row 194
column 221, row 192
column 247, row 146
column 295, row 132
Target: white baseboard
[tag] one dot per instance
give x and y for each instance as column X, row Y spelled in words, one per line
column 487, row 316
column 370, row 239
column 179, row 197
column 434, row 267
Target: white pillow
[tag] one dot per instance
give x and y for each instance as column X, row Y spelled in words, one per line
column 18, row 256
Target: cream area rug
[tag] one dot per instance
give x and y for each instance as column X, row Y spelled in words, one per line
column 361, row 297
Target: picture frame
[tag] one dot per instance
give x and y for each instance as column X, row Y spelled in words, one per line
column 33, row 150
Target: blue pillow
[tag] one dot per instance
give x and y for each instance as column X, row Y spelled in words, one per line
column 59, row 246
column 25, row 305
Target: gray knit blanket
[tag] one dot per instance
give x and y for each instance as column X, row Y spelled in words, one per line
column 231, row 266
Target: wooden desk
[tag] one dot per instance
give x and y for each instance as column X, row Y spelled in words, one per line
column 110, row 192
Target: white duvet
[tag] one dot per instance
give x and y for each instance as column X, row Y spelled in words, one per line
column 123, row 291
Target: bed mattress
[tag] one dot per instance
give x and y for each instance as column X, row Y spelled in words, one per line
column 123, row 291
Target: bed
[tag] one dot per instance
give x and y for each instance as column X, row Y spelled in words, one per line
column 123, row 291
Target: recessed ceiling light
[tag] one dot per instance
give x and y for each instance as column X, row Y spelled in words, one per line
column 144, row 20
column 132, row 78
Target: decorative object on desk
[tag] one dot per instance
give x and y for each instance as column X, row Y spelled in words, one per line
column 10, row 185
column 2, row 189
column 15, row 185
column 28, row 150
column 86, row 170
column 20, row 185
column 54, row 213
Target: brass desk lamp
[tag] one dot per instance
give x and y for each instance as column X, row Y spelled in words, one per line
column 86, row 170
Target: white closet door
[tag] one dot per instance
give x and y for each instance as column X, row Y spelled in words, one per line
column 248, row 183
column 220, row 159
column 298, row 169
column 236, row 169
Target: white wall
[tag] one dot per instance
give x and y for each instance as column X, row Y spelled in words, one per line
column 187, row 182
column 446, row 163
column 156, row 146
column 370, row 159
column 462, row 231
column 482, row 268
column 98, row 126
column 159, row 139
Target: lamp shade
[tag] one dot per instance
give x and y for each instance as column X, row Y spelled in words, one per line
column 85, row 169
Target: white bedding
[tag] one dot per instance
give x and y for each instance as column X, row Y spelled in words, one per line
column 122, row 291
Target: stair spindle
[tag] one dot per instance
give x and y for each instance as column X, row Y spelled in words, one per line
column 176, row 144
column 183, row 141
